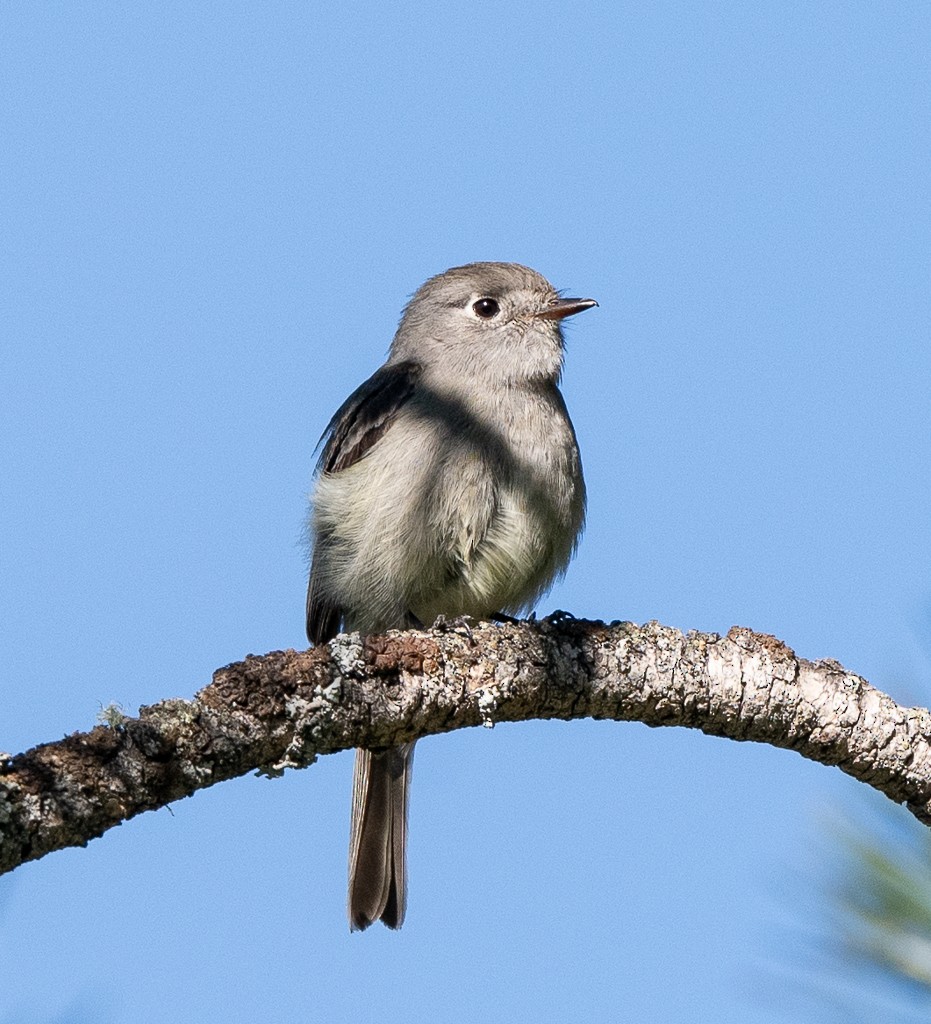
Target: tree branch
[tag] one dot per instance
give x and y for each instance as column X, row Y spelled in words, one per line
column 286, row 708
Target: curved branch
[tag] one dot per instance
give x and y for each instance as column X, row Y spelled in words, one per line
column 284, row 709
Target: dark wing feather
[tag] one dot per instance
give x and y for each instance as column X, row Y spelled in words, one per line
column 356, row 426
column 365, row 415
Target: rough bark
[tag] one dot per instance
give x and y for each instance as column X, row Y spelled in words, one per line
column 286, row 708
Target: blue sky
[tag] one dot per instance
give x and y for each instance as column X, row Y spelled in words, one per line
column 211, row 217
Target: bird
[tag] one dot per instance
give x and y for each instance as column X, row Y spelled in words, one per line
column 449, row 486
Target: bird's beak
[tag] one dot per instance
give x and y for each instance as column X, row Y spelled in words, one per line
column 562, row 308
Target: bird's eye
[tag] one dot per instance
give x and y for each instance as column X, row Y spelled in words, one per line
column 486, row 308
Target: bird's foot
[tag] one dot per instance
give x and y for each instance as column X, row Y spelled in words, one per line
column 459, row 622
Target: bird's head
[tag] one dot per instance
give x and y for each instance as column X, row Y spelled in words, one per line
column 497, row 322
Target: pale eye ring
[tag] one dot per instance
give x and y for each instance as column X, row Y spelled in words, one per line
column 486, row 308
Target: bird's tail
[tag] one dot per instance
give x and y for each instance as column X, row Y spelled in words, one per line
column 378, row 837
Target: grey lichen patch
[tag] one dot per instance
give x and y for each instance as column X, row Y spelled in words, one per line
column 298, row 708
column 309, row 719
column 176, row 709
column 919, row 719
column 196, row 775
column 346, row 652
column 326, row 698
column 112, row 715
column 314, row 717
column 486, row 701
column 300, row 752
column 6, row 802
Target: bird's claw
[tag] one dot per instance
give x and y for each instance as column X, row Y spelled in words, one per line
column 459, row 622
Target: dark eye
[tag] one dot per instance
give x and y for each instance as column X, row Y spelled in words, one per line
column 486, row 308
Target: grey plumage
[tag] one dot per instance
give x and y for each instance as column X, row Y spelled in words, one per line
column 449, row 484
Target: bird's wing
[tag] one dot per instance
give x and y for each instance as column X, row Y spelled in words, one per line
column 356, row 426
column 365, row 415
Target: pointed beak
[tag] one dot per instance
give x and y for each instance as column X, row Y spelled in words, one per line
column 562, row 308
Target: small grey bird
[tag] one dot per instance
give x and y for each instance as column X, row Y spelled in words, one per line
column 449, row 484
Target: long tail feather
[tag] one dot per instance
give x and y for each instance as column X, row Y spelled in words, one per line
column 378, row 837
